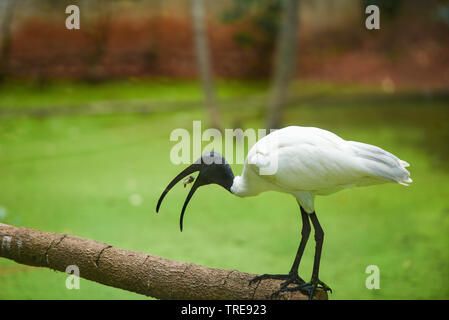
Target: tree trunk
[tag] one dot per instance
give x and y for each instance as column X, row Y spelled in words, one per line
column 99, row 12
column 203, row 61
column 285, row 62
column 134, row 271
column 6, row 16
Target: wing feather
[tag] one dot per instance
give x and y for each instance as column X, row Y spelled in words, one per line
column 312, row 159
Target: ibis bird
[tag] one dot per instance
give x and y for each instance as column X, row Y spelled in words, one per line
column 307, row 162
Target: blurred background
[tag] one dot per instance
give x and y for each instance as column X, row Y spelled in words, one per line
column 86, row 116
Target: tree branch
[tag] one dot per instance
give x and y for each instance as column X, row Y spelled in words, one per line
column 134, row 271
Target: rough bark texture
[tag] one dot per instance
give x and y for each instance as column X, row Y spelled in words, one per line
column 133, row 271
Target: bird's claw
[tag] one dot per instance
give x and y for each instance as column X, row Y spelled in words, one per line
column 291, row 278
column 303, row 287
column 314, row 284
column 307, row 288
column 320, row 284
column 317, row 284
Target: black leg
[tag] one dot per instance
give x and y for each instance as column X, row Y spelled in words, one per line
column 319, row 239
column 305, row 232
column 292, row 276
column 310, row 287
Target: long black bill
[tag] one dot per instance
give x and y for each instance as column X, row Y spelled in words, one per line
column 189, row 196
column 212, row 168
column 189, row 170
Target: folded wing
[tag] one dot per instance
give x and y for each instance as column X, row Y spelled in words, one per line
column 312, row 159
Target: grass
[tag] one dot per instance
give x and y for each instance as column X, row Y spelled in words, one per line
column 76, row 174
column 68, row 93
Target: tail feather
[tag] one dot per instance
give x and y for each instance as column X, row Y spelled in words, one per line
column 381, row 163
column 404, row 163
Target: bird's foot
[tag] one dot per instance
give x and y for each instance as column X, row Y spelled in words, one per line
column 291, row 278
column 308, row 288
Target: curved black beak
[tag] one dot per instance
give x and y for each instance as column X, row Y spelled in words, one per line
column 212, row 168
column 189, row 170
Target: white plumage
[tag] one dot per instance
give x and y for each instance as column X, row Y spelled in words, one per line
column 310, row 161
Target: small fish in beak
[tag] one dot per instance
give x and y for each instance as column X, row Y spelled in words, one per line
column 189, row 179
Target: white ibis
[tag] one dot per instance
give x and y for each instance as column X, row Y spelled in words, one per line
column 309, row 162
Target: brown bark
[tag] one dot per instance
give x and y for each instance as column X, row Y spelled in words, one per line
column 134, row 271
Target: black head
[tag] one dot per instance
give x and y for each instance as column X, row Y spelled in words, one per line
column 212, row 167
